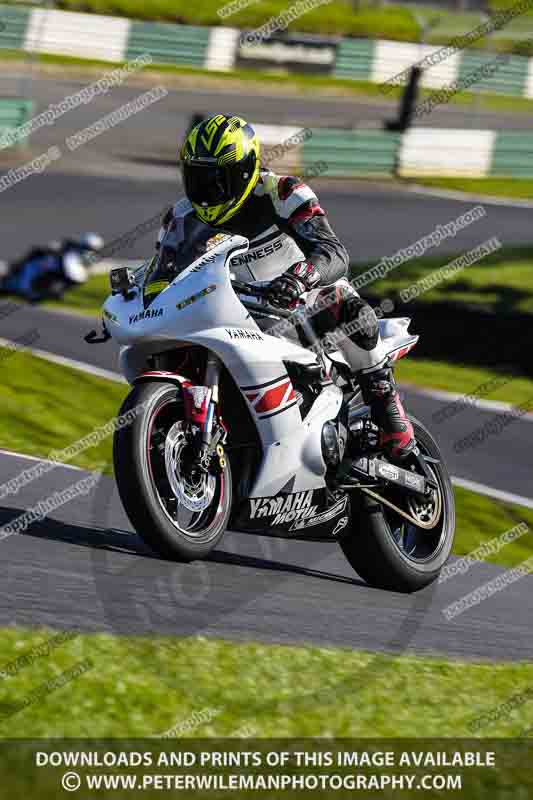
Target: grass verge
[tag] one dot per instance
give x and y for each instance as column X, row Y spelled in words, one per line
column 501, row 282
column 516, row 188
column 337, row 17
column 342, row 17
column 464, row 379
column 45, row 407
column 87, row 298
column 141, row 687
column 480, row 519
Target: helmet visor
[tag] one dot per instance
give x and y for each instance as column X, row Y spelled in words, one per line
column 207, row 184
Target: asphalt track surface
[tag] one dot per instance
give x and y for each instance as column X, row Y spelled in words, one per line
column 262, row 103
column 89, row 572
column 373, row 220
column 82, row 569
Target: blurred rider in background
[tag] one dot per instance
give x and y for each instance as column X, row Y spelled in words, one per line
column 47, row 272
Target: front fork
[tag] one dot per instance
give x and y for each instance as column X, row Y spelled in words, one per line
column 201, row 412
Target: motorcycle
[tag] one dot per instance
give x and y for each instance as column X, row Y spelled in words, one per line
column 46, row 273
column 234, row 427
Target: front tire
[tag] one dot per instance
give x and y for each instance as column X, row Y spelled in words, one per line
column 154, row 510
column 384, row 554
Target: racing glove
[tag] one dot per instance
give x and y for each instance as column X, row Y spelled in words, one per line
column 286, row 290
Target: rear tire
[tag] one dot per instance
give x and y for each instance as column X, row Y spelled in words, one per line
column 372, row 549
column 146, row 494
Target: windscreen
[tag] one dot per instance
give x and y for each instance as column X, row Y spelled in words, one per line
column 176, row 253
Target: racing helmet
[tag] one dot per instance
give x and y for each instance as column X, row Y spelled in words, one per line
column 91, row 241
column 220, row 166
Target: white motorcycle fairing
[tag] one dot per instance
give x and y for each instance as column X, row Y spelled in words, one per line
column 200, row 307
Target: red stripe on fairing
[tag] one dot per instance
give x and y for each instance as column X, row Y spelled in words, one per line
column 272, row 399
column 402, row 352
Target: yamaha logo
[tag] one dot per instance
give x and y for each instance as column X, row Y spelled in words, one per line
column 150, row 313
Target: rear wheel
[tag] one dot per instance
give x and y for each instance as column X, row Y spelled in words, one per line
column 388, row 551
column 179, row 514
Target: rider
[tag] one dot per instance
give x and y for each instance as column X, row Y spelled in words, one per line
column 293, row 246
column 46, row 272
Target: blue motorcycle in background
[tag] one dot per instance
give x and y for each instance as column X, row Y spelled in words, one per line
column 45, row 273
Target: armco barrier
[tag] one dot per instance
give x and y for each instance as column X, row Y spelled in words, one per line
column 116, row 38
column 355, row 58
column 447, row 152
column 90, row 36
column 14, row 26
column 13, row 113
column 510, row 78
column 183, row 45
column 465, row 153
column 420, row 152
column 512, row 155
column 349, row 153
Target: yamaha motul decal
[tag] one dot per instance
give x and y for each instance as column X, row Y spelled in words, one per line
column 271, row 398
column 325, row 516
column 283, row 508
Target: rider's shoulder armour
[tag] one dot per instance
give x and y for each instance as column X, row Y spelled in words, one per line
column 286, row 193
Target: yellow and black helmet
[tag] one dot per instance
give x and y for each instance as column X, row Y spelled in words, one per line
column 220, row 164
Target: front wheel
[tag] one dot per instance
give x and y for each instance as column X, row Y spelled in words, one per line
column 179, row 516
column 389, row 552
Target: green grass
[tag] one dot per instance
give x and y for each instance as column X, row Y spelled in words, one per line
column 500, row 282
column 479, row 519
column 338, row 17
column 517, row 188
column 140, row 687
column 87, row 298
column 395, row 21
column 45, row 407
column 456, row 377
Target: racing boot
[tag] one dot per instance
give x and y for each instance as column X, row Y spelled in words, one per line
column 396, row 436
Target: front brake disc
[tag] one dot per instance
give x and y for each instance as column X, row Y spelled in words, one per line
column 194, row 497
